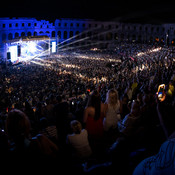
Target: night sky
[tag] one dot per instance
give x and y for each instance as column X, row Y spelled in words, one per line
column 128, row 11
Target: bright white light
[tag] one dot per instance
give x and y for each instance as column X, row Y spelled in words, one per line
column 149, row 51
column 13, row 52
column 32, row 49
column 53, row 47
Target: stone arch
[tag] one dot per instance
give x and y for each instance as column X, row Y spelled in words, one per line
column 71, row 34
column 35, row 34
column 133, row 38
column 77, row 34
column 41, row 32
column 4, row 37
column 109, row 36
column 53, row 33
column 59, row 34
column 16, row 35
column 10, row 36
column 139, row 39
column 29, row 34
column 116, row 36
column 122, row 37
column 65, row 35
column 23, row 34
column 151, row 39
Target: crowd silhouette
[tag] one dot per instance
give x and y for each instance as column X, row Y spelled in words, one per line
column 91, row 111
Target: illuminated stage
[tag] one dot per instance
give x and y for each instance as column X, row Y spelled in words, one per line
column 25, row 49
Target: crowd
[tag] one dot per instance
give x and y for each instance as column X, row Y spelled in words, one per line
column 91, row 111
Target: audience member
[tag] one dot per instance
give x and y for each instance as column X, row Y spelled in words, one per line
column 37, row 151
column 130, row 123
column 79, row 141
column 93, row 120
column 163, row 162
column 61, row 112
column 47, row 129
column 112, row 114
column 72, row 77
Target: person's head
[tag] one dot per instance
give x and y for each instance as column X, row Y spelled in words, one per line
column 17, row 125
column 146, row 98
column 112, row 96
column 59, row 98
column 125, row 98
column 76, row 126
column 27, row 105
column 135, row 107
column 43, row 122
column 94, row 101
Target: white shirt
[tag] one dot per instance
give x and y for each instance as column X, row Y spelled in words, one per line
column 80, row 143
column 112, row 117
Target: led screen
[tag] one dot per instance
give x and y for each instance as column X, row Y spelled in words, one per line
column 32, row 49
column 13, row 53
column 53, row 47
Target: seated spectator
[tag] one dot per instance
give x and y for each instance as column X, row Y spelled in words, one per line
column 130, row 123
column 163, row 162
column 29, row 150
column 48, row 130
column 78, row 141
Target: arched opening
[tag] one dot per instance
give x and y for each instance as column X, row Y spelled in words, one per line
column 133, row 38
column 95, row 36
column 3, row 37
column 122, row 37
column 29, row 34
column 65, row 35
column 35, row 34
column 151, row 39
column 10, row 36
column 139, row 39
column 23, row 34
column 16, row 35
column 128, row 38
column 77, row 34
column 59, row 34
column 116, row 36
column 89, row 34
column 101, row 37
column 70, row 34
column 53, row 33
column 109, row 36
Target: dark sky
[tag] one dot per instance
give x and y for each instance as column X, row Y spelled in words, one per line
column 128, row 11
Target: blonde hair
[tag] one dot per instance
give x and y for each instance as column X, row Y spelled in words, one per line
column 76, row 126
column 112, row 96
